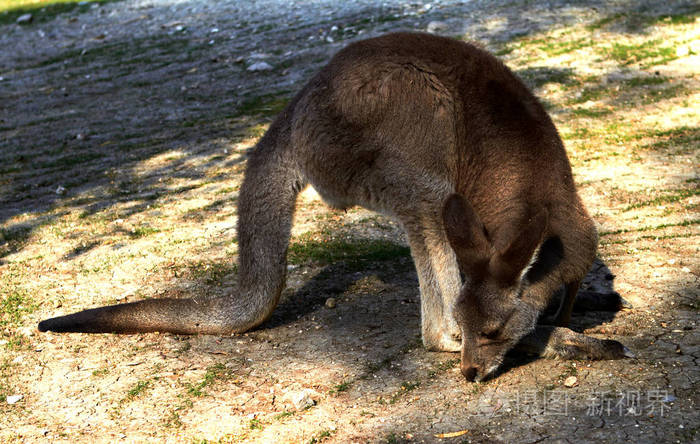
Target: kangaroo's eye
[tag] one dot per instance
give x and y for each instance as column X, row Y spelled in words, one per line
column 490, row 334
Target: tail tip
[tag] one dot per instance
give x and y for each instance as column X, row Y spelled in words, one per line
column 44, row 325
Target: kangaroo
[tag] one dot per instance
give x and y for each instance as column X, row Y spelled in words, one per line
column 443, row 137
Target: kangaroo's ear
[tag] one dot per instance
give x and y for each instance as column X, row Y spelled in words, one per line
column 511, row 260
column 467, row 236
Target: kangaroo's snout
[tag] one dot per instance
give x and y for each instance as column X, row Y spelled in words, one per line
column 469, row 372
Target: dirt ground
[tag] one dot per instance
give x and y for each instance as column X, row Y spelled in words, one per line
column 124, row 129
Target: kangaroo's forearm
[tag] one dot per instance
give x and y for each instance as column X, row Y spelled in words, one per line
column 563, row 343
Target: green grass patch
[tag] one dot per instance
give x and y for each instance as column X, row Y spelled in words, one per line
column 636, row 21
column 320, row 436
column 674, row 19
column 4, row 392
column 13, row 306
column 591, row 113
column 342, row 387
column 119, row 54
column 617, row 133
column 138, row 389
column 600, row 23
column 671, row 197
column 326, row 250
column 590, row 93
column 17, row 342
column 143, row 231
column 651, row 52
column 578, row 133
column 100, row 372
column 537, row 76
column 555, row 47
column 173, row 419
column 214, row 373
column 42, row 10
column 256, row 131
column 685, row 223
column 647, row 236
column 19, row 233
column 210, row 272
column 281, row 416
column 667, row 236
column 265, row 105
column 682, row 136
column 551, row 46
column 227, row 190
column 645, row 81
column 657, row 95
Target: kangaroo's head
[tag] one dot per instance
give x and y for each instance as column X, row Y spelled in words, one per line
column 490, row 311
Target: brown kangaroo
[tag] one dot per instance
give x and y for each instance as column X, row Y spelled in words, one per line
column 442, row 136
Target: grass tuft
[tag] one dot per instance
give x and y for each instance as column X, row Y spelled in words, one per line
column 327, row 250
column 13, row 306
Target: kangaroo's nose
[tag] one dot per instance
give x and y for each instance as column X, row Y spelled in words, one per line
column 469, row 372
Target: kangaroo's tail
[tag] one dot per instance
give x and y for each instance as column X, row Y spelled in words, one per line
column 266, row 207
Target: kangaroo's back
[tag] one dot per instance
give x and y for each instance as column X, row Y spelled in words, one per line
column 444, row 110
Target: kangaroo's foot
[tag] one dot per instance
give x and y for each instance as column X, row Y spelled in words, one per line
column 562, row 343
column 438, row 276
column 443, row 339
column 584, row 301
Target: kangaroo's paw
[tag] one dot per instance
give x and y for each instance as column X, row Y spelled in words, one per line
column 443, row 341
column 562, row 343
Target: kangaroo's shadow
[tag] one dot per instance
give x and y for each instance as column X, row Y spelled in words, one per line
column 337, row 281
column 395, row 303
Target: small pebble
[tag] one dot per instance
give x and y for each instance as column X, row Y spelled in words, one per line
column 434, row 27
column 24, row 19
column 260, row 66
column 571, row 381
column 13, row 399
